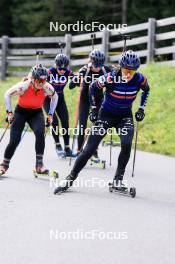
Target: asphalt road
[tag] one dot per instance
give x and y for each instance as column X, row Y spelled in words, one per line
column 87, row 224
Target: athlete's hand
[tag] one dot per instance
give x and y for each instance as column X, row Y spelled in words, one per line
column 139, row 115
column 49, row 120
column 9, row 117
column 93, row 116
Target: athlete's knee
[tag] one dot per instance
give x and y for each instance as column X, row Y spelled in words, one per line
column 126, row 149
column 88, row 151
column 39, row 133
column 126, row 139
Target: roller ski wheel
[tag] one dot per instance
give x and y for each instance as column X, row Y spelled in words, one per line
column 40, row 172
column 132, row 192
column 122, row 190
column 98, row 163
column 54, row 177
column 54, row 174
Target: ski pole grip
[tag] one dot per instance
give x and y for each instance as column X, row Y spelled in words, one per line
column 61, row 44
column 39, row 52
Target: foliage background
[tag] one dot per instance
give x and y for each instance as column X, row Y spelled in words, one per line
column 31, row 18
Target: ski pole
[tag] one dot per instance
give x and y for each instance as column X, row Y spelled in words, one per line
column 61, row 46
column 38, row 53
column 110, row 151
column 93, row 36
column 135, row 148
column 77, row 116
column 125, row 37
column 5, row 130
column 24, row 132
column 46, row 130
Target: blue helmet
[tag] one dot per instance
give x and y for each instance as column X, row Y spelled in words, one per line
column 61, row 60
column 97, row 57
column 129, row 59
column 39, row 72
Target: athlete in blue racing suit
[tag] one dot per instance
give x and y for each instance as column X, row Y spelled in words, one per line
column 122, row 87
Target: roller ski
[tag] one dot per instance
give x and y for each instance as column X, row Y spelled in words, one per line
column 65, row 184
column 97, row 162
column 40, row 171
column 3, row 169
column 121, row 188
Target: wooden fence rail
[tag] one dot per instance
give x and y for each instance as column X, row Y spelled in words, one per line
column 149, row 44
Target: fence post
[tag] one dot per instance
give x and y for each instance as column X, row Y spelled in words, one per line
column 68, row 40
column 105, row 43
column 151, row 39
column 5, row 41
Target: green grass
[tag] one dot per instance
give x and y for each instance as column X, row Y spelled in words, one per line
column 159, row 122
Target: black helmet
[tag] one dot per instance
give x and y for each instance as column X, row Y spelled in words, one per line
column 129, row 59
column 61, row 60
column 97, row 57
column 39, row 72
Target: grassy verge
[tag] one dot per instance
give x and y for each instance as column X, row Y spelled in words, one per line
column 157, row 132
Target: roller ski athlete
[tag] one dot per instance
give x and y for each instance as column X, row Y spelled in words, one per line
column 93, row 70
column 32, row 93
column 122, row 88
column 58, row 78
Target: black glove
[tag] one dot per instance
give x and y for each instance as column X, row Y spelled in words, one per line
column 9, row 117
column 93, row 116
column 49, row 120
column 72, row 85
column 139, row 115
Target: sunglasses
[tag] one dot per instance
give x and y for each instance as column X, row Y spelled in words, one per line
column 97, row 65
column 61, row 69
column 127, row 72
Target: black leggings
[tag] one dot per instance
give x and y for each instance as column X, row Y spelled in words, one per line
column 61, row 112
column 124, row 125
column 84, row 113
column 35, row 119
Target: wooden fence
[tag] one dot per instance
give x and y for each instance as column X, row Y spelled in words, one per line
column 147, row 41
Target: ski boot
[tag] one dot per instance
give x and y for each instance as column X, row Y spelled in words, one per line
column 95, row 160
column 68, row 153
column 3, row 168
column 40, row 171
column 64, row 186
column 59, row 150
column 119, row 186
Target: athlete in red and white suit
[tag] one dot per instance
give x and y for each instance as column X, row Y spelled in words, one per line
column 32, row 93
